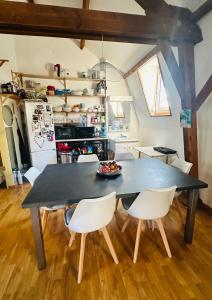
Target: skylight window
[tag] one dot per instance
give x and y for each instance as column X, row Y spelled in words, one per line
column 153, row 88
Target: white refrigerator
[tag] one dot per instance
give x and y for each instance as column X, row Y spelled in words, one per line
column 41, row 135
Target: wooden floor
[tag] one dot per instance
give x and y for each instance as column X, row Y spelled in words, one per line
column 188, row 275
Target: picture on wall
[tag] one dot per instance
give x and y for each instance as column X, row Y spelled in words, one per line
column 185, row 118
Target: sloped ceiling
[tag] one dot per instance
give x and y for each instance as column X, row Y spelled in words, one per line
column 122, row 55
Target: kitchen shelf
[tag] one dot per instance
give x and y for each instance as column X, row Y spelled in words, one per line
column 25, row 75
column 79, row 112
column 98, row 123
column 83, row 96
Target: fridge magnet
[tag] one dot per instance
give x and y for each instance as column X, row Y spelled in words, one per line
column 50, row 135
column 35, row 118
column 39, row 140
column 185, row 118
column 48, row 108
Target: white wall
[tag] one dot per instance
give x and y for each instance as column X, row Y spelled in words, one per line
column 203, row 63
column 161, row 131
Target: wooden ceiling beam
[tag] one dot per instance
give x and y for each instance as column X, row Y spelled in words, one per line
column 86, row 4
column 204, row 93
column 173, row 67
column 161, row 8
column 202, row 11
column 46, row 20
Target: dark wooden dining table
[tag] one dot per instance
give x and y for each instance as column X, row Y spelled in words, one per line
column 69, row 183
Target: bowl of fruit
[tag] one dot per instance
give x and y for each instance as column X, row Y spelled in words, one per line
column 109, row 169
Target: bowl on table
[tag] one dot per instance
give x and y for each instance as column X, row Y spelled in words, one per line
column 109, row 169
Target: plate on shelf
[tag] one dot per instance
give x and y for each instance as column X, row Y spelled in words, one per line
column 77, row 93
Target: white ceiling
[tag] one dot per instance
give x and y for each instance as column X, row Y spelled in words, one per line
column 122, row 55
column 125, row 6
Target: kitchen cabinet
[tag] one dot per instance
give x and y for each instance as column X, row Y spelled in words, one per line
column 126, row 145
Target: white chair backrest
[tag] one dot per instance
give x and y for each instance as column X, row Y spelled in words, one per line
column 93, row 214
column 182, row 165
column 124, row 156
column 32, row 174
column 87, row 158
column 152, row 203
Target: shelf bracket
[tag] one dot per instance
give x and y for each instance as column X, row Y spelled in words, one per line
column 2, row 61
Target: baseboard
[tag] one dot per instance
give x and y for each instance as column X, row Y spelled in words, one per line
column 201, row 204
column 204, row 206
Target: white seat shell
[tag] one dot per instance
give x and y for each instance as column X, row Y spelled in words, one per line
column 87, row 158
column 152, row 203
column 93, row 214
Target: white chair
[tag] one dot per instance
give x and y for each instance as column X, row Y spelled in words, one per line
column 124, row 156
column 182, row 165
column 185, row 167
column 31, row 175
column 150, row 205
column 91, row 215
column 87, row 158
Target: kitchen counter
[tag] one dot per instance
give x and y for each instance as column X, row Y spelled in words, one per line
column 125, row 140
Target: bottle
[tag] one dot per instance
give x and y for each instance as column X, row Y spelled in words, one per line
column 19, row 177
column 103, row 131
column 15, row 180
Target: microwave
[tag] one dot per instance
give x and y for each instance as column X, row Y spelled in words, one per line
column 84, row 132
column 64, row 132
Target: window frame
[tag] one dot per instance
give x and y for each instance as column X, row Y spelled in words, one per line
column 160, row 113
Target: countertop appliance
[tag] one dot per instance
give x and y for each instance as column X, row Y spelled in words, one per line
column 64, row 132
column 84, row 132
column 41, row 134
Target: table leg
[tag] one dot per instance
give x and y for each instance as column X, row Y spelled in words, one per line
column 190, row 215
column 38, row 237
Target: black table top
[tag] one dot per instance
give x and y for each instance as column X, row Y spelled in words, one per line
column 70, row 183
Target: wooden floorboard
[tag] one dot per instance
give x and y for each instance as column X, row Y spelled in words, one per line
column 188, row 275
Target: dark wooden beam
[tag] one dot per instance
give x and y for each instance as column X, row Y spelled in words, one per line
column 46, row 20
column 173, row 67
column 186, row 64
column 161, row 8
column 142, row 61
column 202, row 11
column 204, row 93
column 86, row 4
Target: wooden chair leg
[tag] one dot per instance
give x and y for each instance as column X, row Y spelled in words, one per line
column 138, row 234
column 72, row 238
column 81, row 260
column 44, row 219
column 125, row 223
column 117, row 203
column 178, row 207
column 110, row 245
column 163, row 235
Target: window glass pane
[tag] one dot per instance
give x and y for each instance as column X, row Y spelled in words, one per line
column 117, row 109
column 153, row 87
